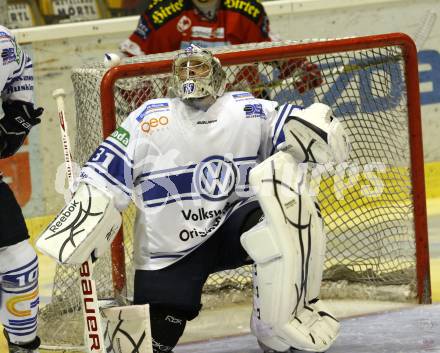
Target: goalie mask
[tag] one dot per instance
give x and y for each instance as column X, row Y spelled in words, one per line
column 197, row 74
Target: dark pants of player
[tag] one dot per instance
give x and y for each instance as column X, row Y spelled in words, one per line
column 174, row 293
column 12, row 226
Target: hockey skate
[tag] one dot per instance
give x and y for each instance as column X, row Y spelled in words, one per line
column 30, row 347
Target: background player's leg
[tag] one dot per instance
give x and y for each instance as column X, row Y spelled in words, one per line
column 19, row 295
column 18, row 277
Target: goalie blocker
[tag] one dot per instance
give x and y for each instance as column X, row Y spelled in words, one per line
column 85, row 226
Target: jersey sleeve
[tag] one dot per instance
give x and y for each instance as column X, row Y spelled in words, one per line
column 272, row 134
column 111, row 166
column 16, row 72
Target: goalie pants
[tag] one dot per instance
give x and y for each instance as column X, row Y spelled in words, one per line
column 12, row 225
column 174, row 293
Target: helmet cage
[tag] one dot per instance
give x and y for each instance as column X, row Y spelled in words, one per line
column 197, row 74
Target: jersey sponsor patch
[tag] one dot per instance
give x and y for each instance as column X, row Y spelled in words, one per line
column 252, row 9
column 215, row 178
column 265, row 26
column 162, row 11
column 121, row 135
column 184, row 24
column 142, row 29
column 153, row 107
column 242, row 96
column 254, row 111
column 153, row 124
column 5, row 36
column 8, row 56
column 208, row 32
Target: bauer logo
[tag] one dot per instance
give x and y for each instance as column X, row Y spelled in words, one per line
column 254, row 111
column 121, row 135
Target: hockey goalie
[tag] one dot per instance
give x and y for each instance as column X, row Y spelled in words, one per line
column 217, row 183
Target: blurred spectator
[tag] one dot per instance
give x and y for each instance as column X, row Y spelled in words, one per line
column 168, row 25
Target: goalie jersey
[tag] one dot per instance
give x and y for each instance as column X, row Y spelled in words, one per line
column 186, row 170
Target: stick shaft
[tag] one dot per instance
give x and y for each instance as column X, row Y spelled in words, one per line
column 93, row 337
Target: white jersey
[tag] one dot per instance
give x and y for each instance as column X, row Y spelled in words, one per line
column 187, row 170
column 16, row 75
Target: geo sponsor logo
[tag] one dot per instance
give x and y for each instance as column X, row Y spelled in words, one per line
column 121, row 135
column 148, row 126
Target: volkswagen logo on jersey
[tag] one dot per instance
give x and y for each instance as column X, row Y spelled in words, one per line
column 189, row 87
column 215, row 178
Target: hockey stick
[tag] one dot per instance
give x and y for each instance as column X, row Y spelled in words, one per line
column 93, row 336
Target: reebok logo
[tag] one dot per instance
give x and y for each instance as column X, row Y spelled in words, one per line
column 64, row 216
column 121, row 135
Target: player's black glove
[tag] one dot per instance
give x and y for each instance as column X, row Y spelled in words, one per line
column 19, row 118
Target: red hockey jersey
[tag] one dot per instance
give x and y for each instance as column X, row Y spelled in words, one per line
column 168, row 25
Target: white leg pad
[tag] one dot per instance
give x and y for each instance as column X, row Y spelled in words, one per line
column 127, row 329
column 288, row 250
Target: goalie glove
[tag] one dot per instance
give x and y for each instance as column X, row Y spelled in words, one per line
column 314, row 135
column 86, row 225
column 20, row 117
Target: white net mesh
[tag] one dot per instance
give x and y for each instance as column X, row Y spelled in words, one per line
column 371, row 240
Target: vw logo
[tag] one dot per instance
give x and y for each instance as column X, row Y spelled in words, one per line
column 215, row 178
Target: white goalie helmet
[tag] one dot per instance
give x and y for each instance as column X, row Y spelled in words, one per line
column 197, row 74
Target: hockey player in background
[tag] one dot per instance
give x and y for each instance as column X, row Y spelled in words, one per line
column 170, row 25
column 18, row 260
column 203, row 168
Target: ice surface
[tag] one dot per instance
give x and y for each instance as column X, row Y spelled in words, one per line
column 413, row 330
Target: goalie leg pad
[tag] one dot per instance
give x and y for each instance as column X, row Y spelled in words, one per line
column 313, row 135
column 127, row 329
column 285, row 248
column 86, row 225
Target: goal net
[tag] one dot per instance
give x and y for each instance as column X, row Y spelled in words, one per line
column 373, row 207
